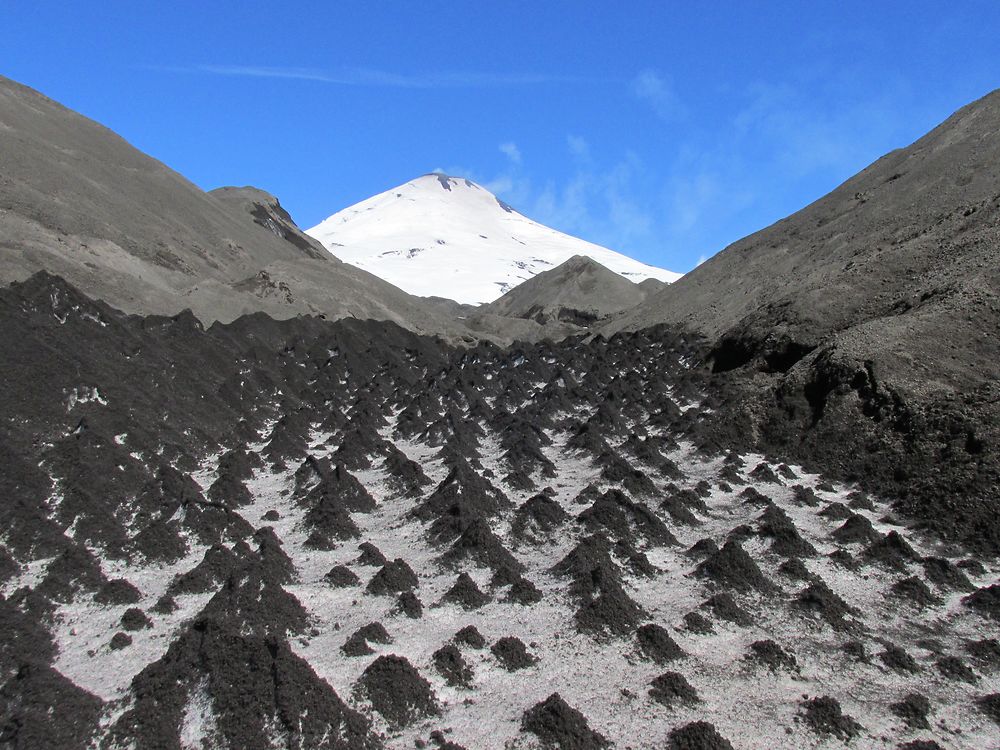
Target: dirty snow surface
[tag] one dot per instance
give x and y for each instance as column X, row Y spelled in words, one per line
column 372, row 540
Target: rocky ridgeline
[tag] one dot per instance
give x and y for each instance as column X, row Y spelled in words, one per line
column 344, row 535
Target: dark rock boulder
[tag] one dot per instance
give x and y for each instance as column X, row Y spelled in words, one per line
column 655, row 643
column 671, row 689
column 824, row 716
column 397, row 691
column 393, row 578
column 465, row 593
column 340, row 576
column 769, row 654
column 512, row 654
column 452, row 666
column 470, row 636
column 698, row 735
column 733, row 568
column 558, row 725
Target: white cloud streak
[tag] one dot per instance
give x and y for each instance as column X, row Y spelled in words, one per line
column 379, row 78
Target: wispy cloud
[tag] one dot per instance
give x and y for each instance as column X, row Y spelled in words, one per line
column 511, row 151
column 658, row 92
column 379, row 78
column 601, row 202
column 805, row 137
column 578, row 147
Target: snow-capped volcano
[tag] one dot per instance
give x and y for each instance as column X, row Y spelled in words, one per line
column 441, row 236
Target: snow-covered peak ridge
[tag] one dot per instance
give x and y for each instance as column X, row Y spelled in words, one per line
column 445, row 236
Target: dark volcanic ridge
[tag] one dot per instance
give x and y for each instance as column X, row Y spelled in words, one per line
column 306, row 531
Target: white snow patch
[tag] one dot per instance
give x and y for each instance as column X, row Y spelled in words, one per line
column 83, row 395
column 459, row 242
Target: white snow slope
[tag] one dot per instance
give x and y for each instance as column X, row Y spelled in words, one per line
column 440, row 236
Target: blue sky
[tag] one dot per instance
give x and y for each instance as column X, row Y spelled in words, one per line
column 665, row 130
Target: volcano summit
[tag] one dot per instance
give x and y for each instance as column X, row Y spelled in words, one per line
column 441, row 236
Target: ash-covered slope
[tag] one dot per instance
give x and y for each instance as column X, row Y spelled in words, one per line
column 899, row 260
column 579, row 291
column 268, row 212
column 873, row 315
column 315, row 534
column 78, row 201
column 441, row 236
